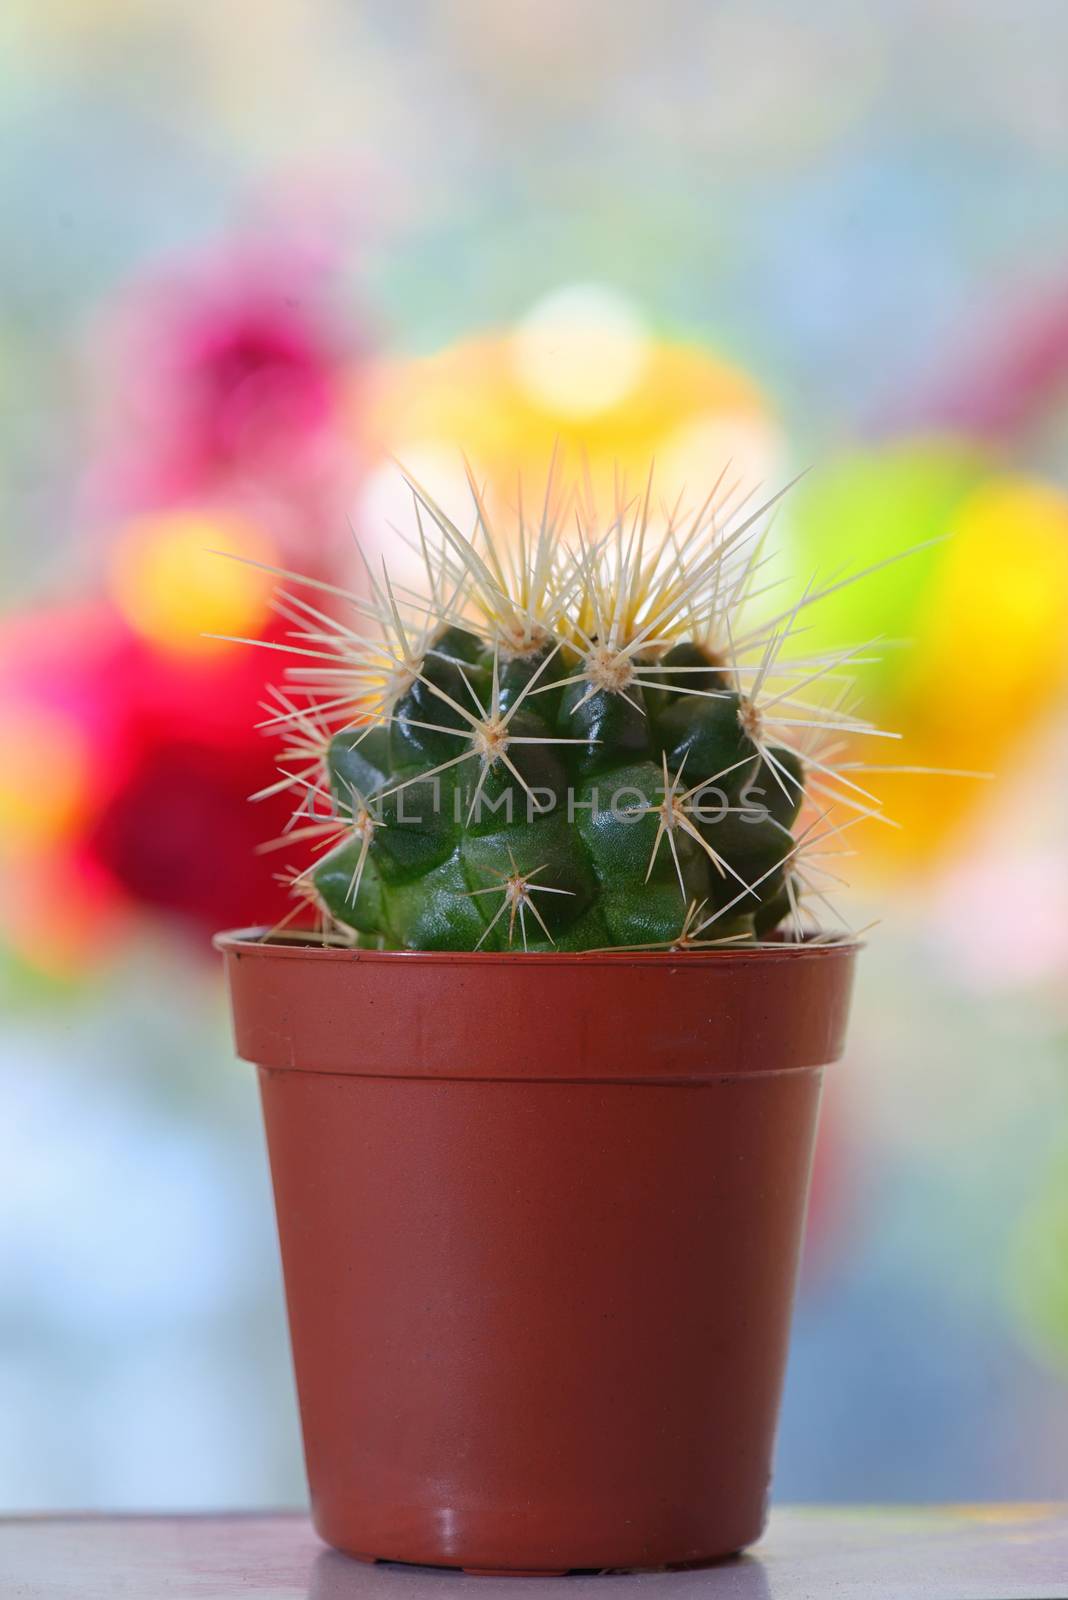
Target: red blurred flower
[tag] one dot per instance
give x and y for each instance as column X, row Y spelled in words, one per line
column 130, row 769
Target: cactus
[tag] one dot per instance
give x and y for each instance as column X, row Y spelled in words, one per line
column 572, row 740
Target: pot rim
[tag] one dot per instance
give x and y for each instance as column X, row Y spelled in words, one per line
column 307, row 946
column 578, row 1016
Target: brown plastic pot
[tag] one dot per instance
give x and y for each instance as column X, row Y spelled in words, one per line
column 540, row 1219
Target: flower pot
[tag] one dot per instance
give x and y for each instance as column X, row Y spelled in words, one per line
column 540, row 1219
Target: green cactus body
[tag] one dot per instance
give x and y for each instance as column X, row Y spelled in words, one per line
column 561, row 748
column 570, row 845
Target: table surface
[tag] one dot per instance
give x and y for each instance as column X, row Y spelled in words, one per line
column 986, row 1552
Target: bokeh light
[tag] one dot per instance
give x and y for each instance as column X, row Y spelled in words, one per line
column 580, row 351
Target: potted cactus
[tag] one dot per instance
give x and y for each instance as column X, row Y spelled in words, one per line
column 540, row 1086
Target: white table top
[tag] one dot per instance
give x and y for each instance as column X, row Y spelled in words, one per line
column 930, row 1553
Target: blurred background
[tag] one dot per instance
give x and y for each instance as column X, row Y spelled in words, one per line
column 255, row 250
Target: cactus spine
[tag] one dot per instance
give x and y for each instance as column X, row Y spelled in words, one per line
column 566, row 742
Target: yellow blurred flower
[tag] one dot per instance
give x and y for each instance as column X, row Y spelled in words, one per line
column 975, row 619
column 579, row 374
column 995, row 613
column 174, row 587
column 988, row 658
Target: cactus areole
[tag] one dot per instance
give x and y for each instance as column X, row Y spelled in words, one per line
column 540, row 1084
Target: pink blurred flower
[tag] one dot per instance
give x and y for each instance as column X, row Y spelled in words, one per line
column 1007, row 367
column 229, row 380
column 1001, row 921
